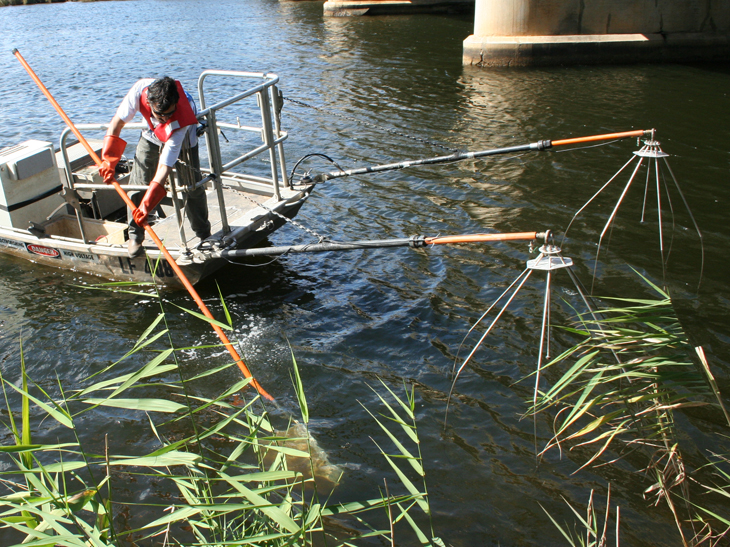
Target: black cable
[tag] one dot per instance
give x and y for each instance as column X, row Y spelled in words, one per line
column 314, row 154
column 591, row 146
column 278, row 257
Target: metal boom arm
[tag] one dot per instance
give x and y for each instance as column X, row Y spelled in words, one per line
column 458, row 156
column 413, row 241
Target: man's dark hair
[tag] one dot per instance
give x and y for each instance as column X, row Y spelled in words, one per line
column 163, row 93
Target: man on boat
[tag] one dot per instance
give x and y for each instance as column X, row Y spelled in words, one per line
column 172, row 123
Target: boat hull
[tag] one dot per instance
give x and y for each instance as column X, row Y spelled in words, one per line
column 107, row 256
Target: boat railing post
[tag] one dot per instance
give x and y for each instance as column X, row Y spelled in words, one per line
column 70, row 182
column 277, row 105
column 176, row 204
column 214, row 150
column 269, row 140
column 272, row 135
column 214, row 155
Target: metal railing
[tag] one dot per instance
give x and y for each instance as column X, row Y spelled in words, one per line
column 270, row 131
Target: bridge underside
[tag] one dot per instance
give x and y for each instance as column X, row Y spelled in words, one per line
column 506, row 51
column 346, row 8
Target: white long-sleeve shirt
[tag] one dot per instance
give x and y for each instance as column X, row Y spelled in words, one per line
column 171, row 149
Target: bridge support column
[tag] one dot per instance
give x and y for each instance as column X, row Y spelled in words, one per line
column 554, row 32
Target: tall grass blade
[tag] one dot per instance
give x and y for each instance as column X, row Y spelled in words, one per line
column 408, row 456
column 150, row 405
column 59, row 415
column 711, row 379
column 417, row 495
column 25, row 412
column 204, row 318
column 264, row 505
column 299, row 389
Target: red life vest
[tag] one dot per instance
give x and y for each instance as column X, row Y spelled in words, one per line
column 182, row 117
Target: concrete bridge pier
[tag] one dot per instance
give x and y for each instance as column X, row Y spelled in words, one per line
column 559, row 32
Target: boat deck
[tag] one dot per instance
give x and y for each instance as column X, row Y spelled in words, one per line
column 240, row 199
column 238, row 203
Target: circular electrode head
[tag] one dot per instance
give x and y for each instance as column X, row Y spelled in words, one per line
column 549, row 249
column 651, row 149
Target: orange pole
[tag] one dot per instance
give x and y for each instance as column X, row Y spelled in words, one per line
column 186, row 283
column 577, row 140
column 476, row 238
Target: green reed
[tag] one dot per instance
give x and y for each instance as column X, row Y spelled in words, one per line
column 218, row 472
column 616, row 394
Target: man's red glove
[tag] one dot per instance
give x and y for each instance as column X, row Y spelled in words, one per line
column 152, row 197
column 111, row 153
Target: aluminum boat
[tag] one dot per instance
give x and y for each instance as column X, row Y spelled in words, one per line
column 56, row 210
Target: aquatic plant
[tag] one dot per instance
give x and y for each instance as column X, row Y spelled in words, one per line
column 217, row 472
column 588, row 531
column 403, row 420
column 617, row 397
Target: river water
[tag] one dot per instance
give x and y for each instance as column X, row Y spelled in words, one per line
column 379, row 83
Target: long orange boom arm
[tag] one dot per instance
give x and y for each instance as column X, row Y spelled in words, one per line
column 605, row 137
column 416, row 242
column 459, row 156
column 479, row 238
column 186, row 283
